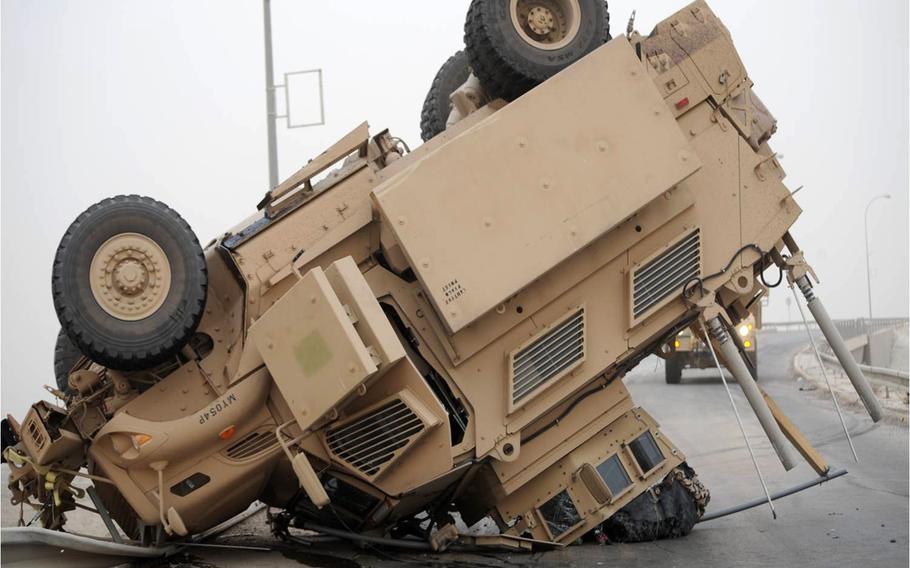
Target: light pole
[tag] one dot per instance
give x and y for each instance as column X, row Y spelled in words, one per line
column 270, row 111
column 868, row 269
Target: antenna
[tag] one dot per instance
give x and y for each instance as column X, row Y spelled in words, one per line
column 630, row 27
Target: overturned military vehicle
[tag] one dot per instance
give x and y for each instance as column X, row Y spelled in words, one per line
column 396, row 337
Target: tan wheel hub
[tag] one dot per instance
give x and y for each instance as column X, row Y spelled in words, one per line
column 130, row 276
column 540, row 20
column 546, row 24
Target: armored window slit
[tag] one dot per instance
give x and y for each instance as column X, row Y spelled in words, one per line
column 615, row 476
column 646, row 453
column 560, row 514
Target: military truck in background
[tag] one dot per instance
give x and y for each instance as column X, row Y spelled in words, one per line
column 395, row 337
column 688, row 351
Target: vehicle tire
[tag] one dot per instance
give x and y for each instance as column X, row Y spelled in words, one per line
column 514, row 45
column 673, row 370
column 437, row 106
column 129, row 282
column 65, row 356
column 668, row 510
column 8, row 437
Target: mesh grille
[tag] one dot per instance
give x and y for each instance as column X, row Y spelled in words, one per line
column 665, row 274
column 548, row 356
column 373, row 440
column 252, row 445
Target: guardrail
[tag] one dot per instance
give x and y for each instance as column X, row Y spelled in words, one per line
column 857, row 333
column 864, row 326
column 847, row 327
column 888, row 378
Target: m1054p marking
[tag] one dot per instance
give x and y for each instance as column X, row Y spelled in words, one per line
column 216, row 408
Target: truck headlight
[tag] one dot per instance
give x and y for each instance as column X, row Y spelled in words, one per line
column 744, row 330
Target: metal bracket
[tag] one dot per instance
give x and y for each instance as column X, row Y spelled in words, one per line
column 758, row 167
column 105, row 515
column 797, row 267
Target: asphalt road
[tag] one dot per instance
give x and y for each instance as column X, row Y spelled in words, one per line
column 859, row 519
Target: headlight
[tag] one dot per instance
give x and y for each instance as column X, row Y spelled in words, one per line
column 747, row 343
column 744, row 330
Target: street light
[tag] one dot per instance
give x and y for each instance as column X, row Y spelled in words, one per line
column 270, row 96
column 868, row 270
column 271, row 112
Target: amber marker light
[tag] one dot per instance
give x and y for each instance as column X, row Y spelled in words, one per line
column 140, row 440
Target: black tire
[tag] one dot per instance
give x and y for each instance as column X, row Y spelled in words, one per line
column 115, row 342
column 668, row 510
column 8, row 437
column 437, row 106
column 673, row 370
column 507, row 65
column 65, row 356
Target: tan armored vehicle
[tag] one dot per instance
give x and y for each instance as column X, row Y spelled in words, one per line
column 689, row 351
column 395, row 337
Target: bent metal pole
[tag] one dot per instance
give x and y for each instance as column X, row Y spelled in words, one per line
column 742, row 375
column 862, row 386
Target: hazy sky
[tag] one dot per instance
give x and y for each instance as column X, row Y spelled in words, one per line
column 166, row 99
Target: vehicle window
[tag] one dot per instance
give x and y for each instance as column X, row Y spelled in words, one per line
column 560, row 513
column 646, row 452
column 614, row 475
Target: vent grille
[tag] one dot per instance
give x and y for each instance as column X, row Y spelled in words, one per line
column 252, row 445
column 373, row 440
column 666, row 274
column 553, row 354
column 36, row 433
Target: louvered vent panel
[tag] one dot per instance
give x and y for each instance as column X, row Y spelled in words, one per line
column 252, row 445
column 666, row 274
column 550, row 355
column 37, row 433
column 371, row 441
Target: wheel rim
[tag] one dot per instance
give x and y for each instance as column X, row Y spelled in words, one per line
column 546, row 24
column 130, row 276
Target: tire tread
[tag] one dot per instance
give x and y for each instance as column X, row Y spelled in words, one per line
column 148, row 355
column 453, row 73
column 500, row 72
